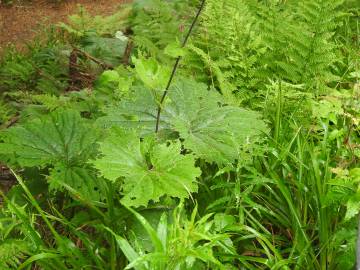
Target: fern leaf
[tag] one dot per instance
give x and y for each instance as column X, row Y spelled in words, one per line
column 12, row 252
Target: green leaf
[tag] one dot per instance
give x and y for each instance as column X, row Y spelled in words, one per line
column 12, row 252
column 39, row 257
column 162, row 229
column 126, row 248
column 355, row 175
column 345, row 241
column 139, row 236
column 107, row 79
column 138, row 111
column 352, row 207
column 62, row 136
column 109, row 50
column 175, row 50
column 223, row 220
column 151, row 73
column 328, row 109
column 148, row 172
column 112, row 86
column 82, row 180
column 213, row 131
column 156, row 241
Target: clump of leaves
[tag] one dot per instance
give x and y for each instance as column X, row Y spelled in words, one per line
column 62, row 140
column 209, row 127
column 178, row 245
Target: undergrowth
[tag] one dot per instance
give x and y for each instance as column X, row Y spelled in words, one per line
column 255, row 164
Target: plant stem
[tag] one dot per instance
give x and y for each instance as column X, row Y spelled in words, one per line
column 278, row 113
column 176, row 65
column 113, row 258
column 37, row 206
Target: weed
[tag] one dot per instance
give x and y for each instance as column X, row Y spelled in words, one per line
column 254, row 163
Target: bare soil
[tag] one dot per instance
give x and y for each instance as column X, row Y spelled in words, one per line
column 21, row 21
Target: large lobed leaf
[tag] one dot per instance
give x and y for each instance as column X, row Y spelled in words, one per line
column 211, row 129
column 138, row 110
column 149, row 170
column 62, row 140
column 60, row 136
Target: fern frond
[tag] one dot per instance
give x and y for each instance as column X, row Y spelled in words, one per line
column 12, row 252
column 252, row 42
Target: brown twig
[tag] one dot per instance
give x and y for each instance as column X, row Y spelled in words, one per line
column 11, row 122
column 94, row 59
column 127, row 54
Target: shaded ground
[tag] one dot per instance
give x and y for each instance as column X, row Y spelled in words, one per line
column 20, row 22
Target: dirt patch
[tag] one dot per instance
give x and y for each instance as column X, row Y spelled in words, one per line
column 20, row 22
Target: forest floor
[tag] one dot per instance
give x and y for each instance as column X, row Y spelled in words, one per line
column 21, row 21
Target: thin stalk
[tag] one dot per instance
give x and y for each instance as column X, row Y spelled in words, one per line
column 321, row 177
column 113, row 257
column 37, row 206
column 43, row 216
column 358, row 246
column 357, row 82
column 176, row 65
column 77, row 232
column 278, row 114
column 32, row 232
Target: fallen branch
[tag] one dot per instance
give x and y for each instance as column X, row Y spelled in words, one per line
column 94, row 59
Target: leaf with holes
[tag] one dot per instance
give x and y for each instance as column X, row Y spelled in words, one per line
column 148, row 170
column 80, row 180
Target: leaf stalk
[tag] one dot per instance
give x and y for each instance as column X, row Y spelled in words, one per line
column 176, row 65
